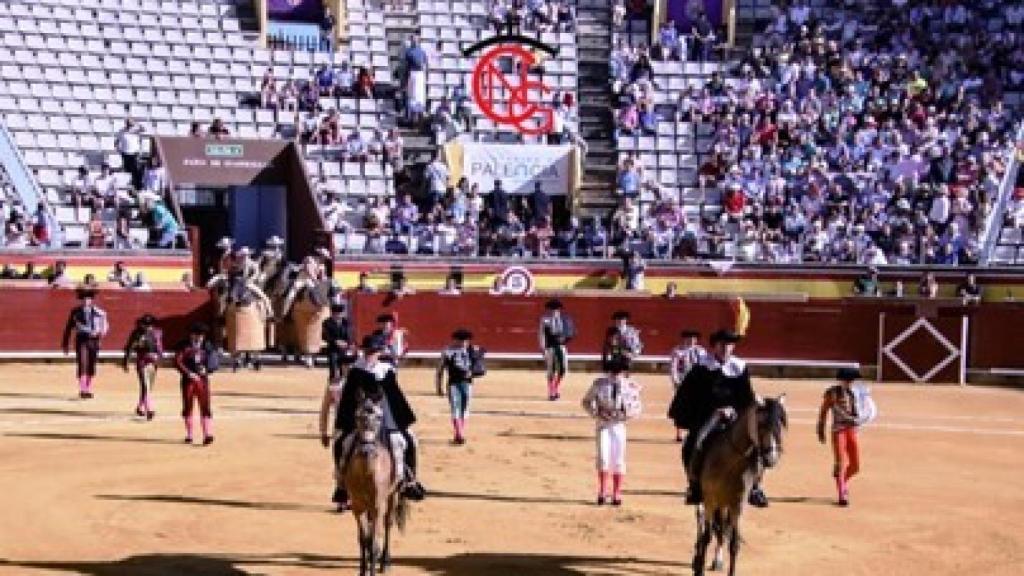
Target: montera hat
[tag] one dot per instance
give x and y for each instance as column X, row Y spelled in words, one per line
column 372, row 343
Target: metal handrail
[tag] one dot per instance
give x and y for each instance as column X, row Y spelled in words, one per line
column 994, row 226
column 26, row 186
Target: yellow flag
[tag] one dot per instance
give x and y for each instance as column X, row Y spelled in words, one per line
column 742, row 316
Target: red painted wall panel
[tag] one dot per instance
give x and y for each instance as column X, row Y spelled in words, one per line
column 818, row 330
column 33, row 317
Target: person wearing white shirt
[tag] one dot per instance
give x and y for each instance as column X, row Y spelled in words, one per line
column 155, row 179
column 799, row 13
column 611, row 401
column 105, row 184
column 940, row 208
column 83, row 189
column 129, row 145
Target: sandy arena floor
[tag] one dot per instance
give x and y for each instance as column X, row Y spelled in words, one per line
column 85, row 488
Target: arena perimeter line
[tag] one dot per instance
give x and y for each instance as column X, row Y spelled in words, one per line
column 238, row 413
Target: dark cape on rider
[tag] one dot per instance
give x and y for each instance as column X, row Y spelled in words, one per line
column 707, row 387
column 359, row 378
column 719, row 381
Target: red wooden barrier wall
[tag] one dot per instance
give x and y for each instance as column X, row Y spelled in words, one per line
column 32, row 318
column 817, row 330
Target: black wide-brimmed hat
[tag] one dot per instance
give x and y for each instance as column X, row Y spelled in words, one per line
column 690, row 333
column 462, row 334
column 725, row 335
column 620, row 315
column 198, row 328
column 83, row 292
column 147, row 320
column 386, row 317
column 848, row 374
column 335, row 308
column 372, row 343
column 553, row 304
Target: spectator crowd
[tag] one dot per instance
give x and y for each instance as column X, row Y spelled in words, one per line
column 862, row 133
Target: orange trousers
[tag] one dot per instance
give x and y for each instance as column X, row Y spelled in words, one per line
column 847, row 454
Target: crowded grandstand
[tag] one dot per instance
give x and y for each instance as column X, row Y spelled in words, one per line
column 824, row 131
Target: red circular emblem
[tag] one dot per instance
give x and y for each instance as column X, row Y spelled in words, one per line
column 489, row 81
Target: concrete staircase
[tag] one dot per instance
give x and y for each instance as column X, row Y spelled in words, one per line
column 594, row 39
column 399, row 26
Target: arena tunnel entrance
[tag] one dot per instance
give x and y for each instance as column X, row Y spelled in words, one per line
column 249, row 190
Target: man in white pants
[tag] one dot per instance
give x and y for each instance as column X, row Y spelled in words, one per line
column 611, row 401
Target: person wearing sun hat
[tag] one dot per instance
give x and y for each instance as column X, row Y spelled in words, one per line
column 556, row 331
column 146, row 342
column 89, row 324
column 461, row 361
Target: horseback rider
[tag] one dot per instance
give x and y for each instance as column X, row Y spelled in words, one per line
column 713, row 393
column 226, row 245
column 271, row 263
column 370, row 374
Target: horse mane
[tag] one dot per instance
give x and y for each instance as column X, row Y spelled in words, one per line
column 777, row 417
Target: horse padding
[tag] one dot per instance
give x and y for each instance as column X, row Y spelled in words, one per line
column 307, row 320
column 246, row 328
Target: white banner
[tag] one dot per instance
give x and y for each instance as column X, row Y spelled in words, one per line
column 518, row 166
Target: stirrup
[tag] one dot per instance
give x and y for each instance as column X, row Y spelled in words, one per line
column 413, row 490
column 694, row 496
column 757, row 498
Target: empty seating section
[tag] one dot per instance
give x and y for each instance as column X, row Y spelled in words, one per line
column 76, row 71
column 366, row 47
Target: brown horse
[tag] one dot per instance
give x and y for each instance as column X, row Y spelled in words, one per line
column 734, row 461
column 373, row 480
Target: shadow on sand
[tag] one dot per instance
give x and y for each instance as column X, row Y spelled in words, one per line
column 59, row 412
column 37, row 396
column 815, row 500
column 262, row 396
column 507, row 498
column 90, row 437
column 577, row 437
column 196, row 501
column 466, row 564
column 272, row 410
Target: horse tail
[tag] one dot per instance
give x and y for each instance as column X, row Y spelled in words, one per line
column 402, row 511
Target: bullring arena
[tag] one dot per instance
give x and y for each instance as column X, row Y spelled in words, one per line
column 310, row 192
column 88, row 489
